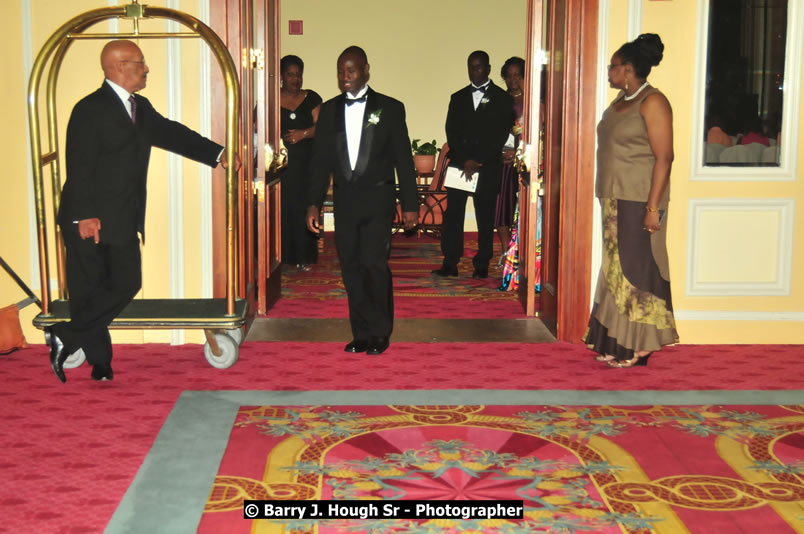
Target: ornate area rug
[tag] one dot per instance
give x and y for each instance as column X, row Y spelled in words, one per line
column 319, row 292
column 663, row 469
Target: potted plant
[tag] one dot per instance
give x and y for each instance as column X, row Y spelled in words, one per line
column 424, row 155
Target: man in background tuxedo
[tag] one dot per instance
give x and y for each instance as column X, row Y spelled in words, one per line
column 361, row 138
column 479, row 118
column 109, row 140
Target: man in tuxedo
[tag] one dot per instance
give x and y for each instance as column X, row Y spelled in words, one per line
column 479, row 118
column 361, row 138
column 109, row 140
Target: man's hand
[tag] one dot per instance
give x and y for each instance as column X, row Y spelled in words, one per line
column 225, row 164
column 89, row 228
column 410, row 219
column 470, row 167
column 312, row 219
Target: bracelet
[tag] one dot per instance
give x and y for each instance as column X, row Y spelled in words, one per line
column 652, row 210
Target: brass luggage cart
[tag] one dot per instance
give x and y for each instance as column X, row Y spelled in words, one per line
column 222, row 319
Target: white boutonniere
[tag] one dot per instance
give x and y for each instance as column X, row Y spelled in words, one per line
column 374, row 118
column 484, row 100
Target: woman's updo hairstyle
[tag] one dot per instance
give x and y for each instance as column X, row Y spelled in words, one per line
column 642, row 53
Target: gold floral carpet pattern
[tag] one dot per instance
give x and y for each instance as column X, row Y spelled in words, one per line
column 640, row 469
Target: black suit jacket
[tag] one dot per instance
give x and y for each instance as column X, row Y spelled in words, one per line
column 480, row 134
column 107, row 161
column 384, row 147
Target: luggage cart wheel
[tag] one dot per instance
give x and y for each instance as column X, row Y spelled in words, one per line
column 220, row 350
column 76, row 359
column 236, row 334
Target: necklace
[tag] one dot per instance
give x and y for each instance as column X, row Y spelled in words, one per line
column 633, row 96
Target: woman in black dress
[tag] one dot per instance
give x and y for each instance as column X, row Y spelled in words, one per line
column 299, row 114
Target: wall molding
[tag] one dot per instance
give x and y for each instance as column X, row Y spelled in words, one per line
column 175, row 172
column 794, row 50
column 784, row 260
column 634, row 26
column 205, row 173
column 698, row 315
column 27, row 64
column 601, row 102
column 114, row 24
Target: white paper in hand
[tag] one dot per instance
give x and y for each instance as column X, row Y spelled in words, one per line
column 457, row 180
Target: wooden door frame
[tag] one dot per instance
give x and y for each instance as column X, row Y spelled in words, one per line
column 576, row 196
column 578, row 179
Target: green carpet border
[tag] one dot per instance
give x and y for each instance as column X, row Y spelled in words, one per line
column 172, row 485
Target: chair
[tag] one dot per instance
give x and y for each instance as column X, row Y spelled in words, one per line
column 735, row 154
column 770, row 154
column 432, row 199
column 755, row 152
column 713, row 151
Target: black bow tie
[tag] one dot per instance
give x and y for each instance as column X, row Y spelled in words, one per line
column 481, row 89
column 350, row 101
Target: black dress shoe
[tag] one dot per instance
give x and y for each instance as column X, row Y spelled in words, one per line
column 445, row 271
column 377, row 345
column 102, row 372
column 480, row 273
column 57, row 354
column 357, row 345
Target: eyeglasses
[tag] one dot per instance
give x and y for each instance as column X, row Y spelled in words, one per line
column 132, row 61
column 611, row 66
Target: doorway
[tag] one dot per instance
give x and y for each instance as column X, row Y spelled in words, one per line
column 565, row 29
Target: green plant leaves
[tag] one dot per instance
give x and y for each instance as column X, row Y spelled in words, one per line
column 424, row 149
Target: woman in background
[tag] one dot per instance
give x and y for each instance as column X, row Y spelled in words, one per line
column 299, row 114
column 513, row 73
column 632, row 316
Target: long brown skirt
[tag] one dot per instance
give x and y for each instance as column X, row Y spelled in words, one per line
column 633, row 309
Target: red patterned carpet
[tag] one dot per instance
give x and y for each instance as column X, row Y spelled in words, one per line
column 319, row 293
column 71, row 450
column 604, row 469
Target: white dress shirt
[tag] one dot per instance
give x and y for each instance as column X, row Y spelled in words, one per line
column 122, row 93
column 353, row 115
column 477, row 96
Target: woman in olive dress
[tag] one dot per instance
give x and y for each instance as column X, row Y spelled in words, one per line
column 632, row 316
column 299, row 114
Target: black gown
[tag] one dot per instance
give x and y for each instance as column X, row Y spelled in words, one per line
column 299, row 245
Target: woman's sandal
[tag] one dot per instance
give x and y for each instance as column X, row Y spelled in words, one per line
column 604, row 358
column 636, row 360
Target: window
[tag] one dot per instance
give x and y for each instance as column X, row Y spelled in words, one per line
column 745, row 82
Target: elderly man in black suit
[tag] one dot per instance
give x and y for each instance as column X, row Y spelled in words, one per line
column 479, row 118
column 109, row 140
column 361, row 138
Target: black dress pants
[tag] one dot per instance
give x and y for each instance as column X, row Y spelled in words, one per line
column 102, row 280
column 363, row 242
column 452, row 246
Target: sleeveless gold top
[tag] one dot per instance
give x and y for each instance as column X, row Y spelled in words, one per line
column 625, row 160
